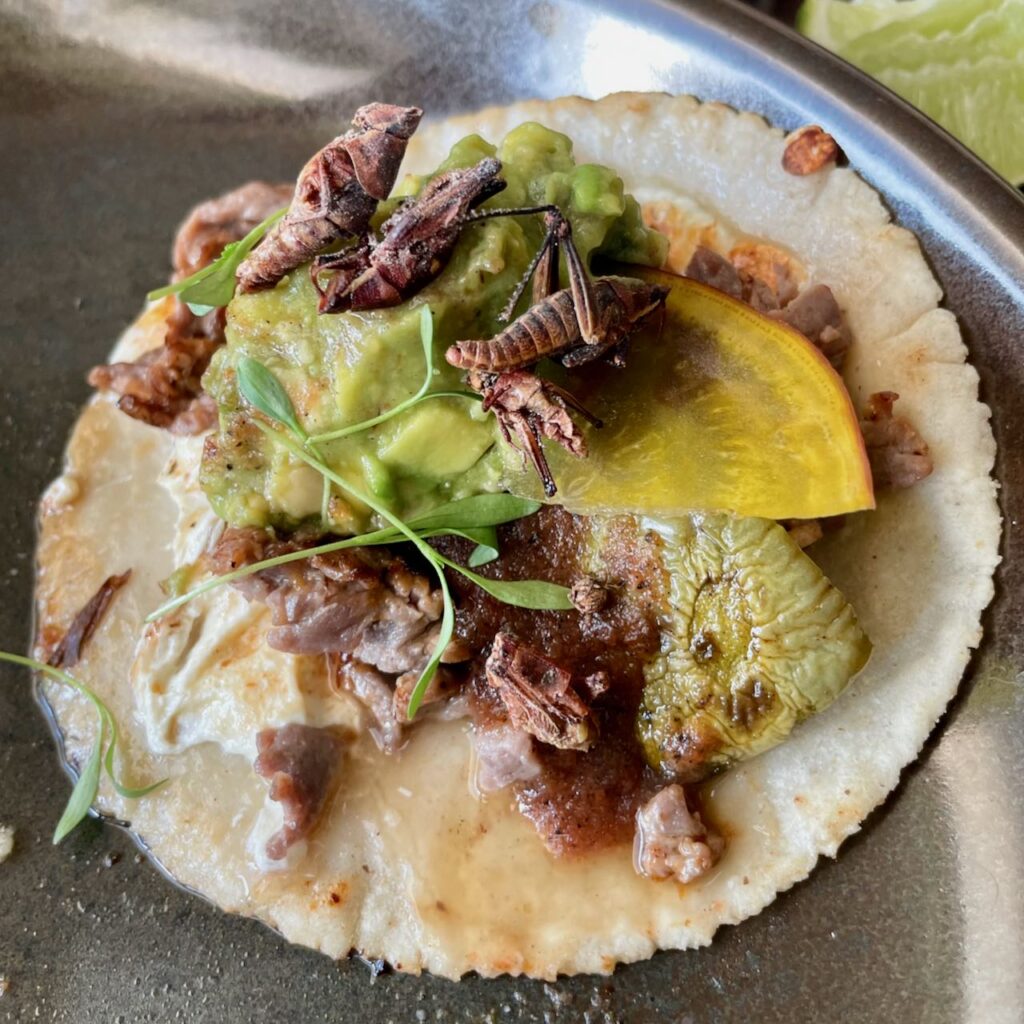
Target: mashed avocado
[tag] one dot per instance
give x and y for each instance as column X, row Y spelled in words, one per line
column 343, row 368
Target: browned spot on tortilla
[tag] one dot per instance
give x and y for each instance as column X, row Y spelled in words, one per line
column 767, row 263
column 798, row 799
column 683, row 236
column 808, row 150
column 441, row 906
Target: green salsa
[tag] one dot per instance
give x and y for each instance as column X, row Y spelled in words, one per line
column 343, row 368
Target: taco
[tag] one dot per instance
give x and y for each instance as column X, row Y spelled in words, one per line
column 667, row 688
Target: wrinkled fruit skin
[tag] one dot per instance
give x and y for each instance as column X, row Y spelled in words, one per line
column 758, row 640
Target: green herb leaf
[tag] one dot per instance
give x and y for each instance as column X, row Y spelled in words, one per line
column 478, row 510
column 262, row 390
column 430, row 670
column 482, row 554
column 84, row 794
column 214, row 285
column 536, row 594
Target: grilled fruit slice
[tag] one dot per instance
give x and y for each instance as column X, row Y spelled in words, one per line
column 757, row 640
column 719, row 409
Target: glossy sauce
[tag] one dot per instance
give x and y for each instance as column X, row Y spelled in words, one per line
column 580, row 801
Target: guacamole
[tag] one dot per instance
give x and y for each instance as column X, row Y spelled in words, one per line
column 344, row 368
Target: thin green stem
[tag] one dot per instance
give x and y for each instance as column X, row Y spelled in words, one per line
column 420, row 396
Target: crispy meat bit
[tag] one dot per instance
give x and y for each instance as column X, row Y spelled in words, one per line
column 899, row 456
column 218, row 222
column 300, row 762
column 164, row 386
column 69, row 649
column 503, row 755
column 587, row 595
column 817, row 316
column 672, row 842
column 808, row 150
column 336, row 193
column 538, row 695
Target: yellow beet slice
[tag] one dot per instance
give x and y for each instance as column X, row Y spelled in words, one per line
column 718, row 408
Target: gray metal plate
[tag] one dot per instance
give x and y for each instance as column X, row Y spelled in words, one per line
column 114, row 118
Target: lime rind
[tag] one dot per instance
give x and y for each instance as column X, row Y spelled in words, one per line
column 960, row 61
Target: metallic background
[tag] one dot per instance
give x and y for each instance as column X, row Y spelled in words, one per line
column 114, row 118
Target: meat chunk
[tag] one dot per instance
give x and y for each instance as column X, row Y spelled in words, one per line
column 671, row 842
column 164, row 386
column 714, row 270
column 373, row 691
column 538, row 695
column 899, row 456
column 817, row 316
column 212, row 225
column 336, row 193
column 809, row 149
column 503, row 755
column 69, row 649
column 376, row 619
column 300, row 762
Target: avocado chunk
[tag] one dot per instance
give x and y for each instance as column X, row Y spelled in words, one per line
column 757, row 639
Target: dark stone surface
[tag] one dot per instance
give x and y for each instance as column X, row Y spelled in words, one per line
column 102, row 151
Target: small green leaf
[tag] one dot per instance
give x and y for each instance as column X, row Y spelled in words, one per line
column 430, row 670
column 262, row 390
column 128, row 792
column 87, row 786
column 478, row 510
column 482, row 554
column 214, row 285
column 83, row 795
column 536, row 594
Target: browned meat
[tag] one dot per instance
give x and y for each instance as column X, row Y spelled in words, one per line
column 222, row 220
column 164, row 387
column 809, row 149
column 710, row 268
column 503, row 755
column 899, row 456
column 538, row 695
column 69, row 649
column 300, row 762
column 376, row 619
column 375, row 693
column 817, row 316
column 671, row 842
column 336, row 194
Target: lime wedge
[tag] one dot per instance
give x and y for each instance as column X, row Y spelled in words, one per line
column 960, row 61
